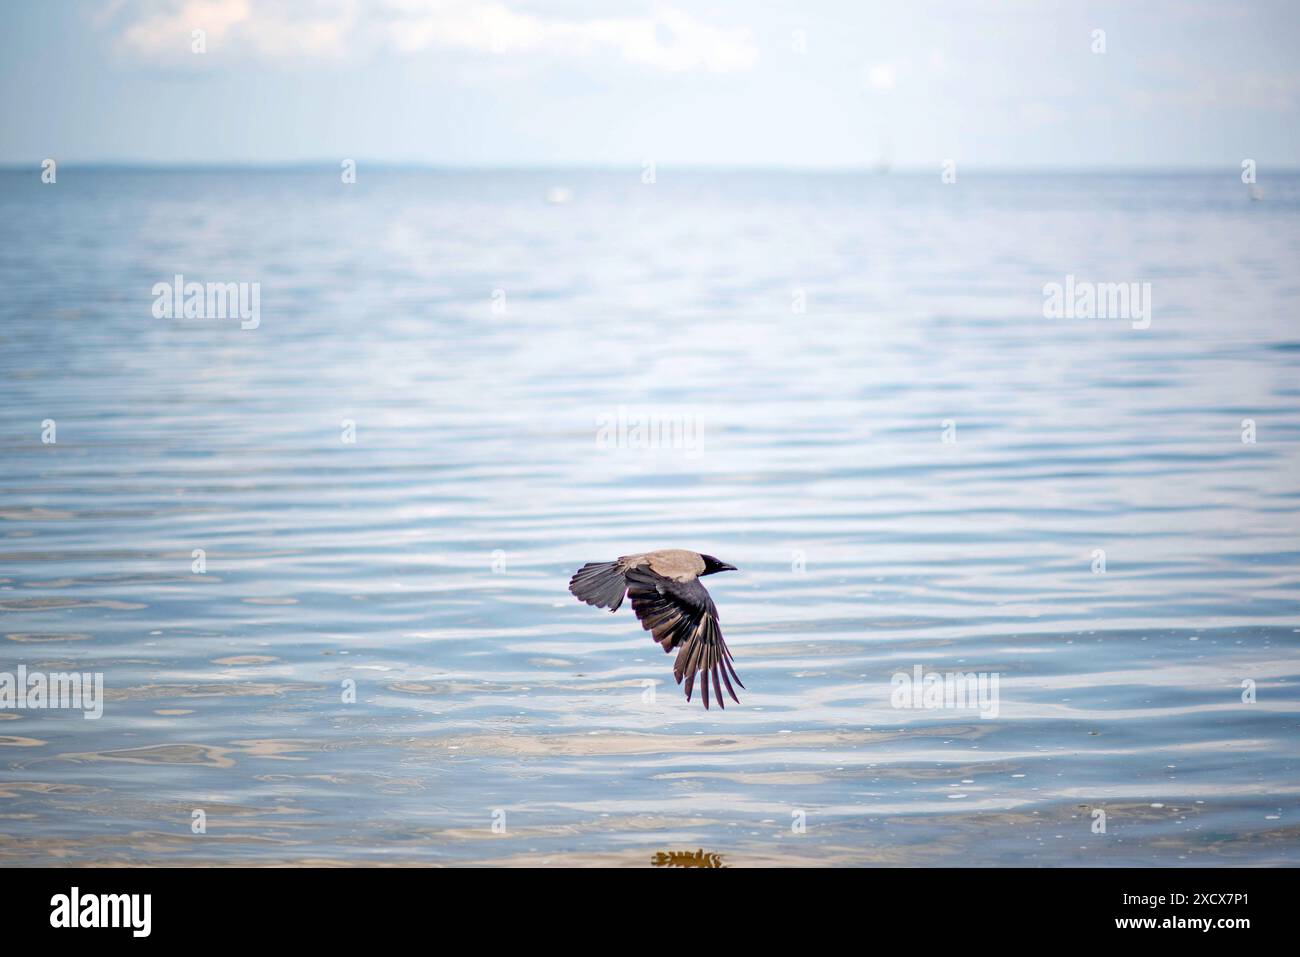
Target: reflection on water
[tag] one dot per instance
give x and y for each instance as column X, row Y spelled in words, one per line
column 377, row 661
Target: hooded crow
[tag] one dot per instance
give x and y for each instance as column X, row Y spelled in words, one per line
column 672, row 605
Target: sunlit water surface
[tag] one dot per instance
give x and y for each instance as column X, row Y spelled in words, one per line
column 818, row 336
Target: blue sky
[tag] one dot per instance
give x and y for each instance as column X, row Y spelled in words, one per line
column 813, row 84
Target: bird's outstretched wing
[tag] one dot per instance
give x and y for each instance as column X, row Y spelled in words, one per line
column 682, row 615
column 599, row 583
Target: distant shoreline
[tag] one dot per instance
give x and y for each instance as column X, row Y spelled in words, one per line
column 863, row 171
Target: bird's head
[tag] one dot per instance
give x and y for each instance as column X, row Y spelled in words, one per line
column 712, row 565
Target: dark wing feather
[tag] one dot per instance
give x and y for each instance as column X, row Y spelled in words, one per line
column 681, row 615
column 600, row 584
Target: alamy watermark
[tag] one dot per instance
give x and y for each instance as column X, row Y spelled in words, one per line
column 644, row 428
column 1098, row 300
column 36, row 690
column 75, row 909
column 179, row 299
column 971, row 691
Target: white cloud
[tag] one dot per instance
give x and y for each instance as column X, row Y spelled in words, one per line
column 881, row 77
column 1040, row 113
column 666, row 39
column 170, row 29
column 1183, row 86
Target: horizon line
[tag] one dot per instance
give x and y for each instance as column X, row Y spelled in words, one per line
column 872, row 169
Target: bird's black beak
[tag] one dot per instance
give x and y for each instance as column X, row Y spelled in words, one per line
column 712, row 566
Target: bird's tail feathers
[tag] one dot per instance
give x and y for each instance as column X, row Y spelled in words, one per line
column 600, row 583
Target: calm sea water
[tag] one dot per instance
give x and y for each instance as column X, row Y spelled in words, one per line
column 869, row 415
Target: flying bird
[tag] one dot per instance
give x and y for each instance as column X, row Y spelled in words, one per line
column 672, row 605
